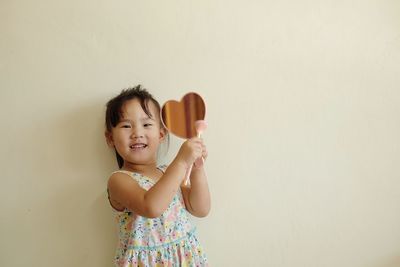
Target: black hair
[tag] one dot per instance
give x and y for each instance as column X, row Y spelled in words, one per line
column 114, row 109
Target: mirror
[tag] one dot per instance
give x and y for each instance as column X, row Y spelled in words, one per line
column 180, row 117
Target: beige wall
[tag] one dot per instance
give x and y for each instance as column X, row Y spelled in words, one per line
column 303, row 110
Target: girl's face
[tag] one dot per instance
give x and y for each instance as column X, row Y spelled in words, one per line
column 137, row 136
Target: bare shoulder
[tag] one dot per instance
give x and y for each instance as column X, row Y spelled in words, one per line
column 117, row 178
column 124, row 191
column 122, row 182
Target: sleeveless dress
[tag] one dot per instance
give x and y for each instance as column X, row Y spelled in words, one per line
column 168, row 240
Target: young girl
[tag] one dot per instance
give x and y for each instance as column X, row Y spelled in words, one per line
column 151, row 203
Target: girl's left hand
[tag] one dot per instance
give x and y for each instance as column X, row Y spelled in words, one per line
column 204, row 156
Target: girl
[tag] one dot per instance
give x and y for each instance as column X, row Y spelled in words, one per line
column 150, row 202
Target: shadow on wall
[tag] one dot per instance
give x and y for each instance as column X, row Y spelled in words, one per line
column 395, row 262
column 83, row 223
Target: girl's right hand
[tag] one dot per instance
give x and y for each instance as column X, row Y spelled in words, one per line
column 190, row 150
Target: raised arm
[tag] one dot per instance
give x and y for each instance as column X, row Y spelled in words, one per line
column 152, row 203
column 197, row 195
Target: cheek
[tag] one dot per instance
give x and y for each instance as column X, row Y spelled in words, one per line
column 157, row 134
column 121, row 137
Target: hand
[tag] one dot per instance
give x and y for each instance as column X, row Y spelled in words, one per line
column 191, row 150
column 198, row 164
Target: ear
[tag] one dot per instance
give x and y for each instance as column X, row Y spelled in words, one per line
column 109, row 139
column 163, row 133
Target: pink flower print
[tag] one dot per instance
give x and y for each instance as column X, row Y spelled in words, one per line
column 171, row 217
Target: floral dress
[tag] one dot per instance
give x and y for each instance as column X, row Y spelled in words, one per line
column 169, row 240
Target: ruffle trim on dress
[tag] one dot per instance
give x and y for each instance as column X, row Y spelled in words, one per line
column 183, row 252
column 166, row 245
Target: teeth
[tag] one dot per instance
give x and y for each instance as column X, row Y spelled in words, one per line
column 138, row 146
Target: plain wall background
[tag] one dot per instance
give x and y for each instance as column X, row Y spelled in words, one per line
column 303, row 109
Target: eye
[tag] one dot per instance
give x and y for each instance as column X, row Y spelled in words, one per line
column 125, row 126
column 147, row 124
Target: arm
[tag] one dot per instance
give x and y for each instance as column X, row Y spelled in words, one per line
column 152, row 203
column 197, row 195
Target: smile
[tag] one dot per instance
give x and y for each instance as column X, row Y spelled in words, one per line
column 138, row 146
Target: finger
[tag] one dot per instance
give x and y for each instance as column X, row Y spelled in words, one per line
column 197, row 141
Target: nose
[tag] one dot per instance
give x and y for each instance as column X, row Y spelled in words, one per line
column 136, row 133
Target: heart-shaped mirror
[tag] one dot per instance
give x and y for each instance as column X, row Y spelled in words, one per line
column 180, row 117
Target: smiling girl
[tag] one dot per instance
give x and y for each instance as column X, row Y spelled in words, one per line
column 151, row 202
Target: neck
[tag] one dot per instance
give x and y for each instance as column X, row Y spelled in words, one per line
column 139, row 168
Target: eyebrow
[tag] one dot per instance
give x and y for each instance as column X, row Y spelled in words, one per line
column 142, row 119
